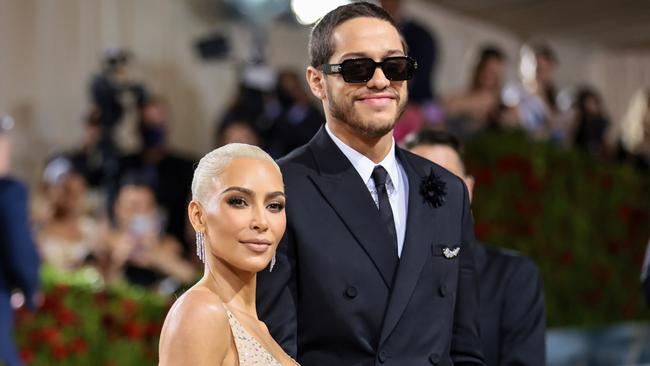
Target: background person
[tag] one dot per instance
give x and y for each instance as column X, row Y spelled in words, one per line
column 19, row 262
column 512, row 313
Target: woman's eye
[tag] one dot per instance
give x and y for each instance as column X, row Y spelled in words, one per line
column 276, row 206
column 237, row 202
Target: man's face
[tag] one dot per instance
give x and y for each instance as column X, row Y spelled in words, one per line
column 369, row 109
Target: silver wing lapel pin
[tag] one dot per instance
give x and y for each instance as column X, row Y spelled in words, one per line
column 450, row 253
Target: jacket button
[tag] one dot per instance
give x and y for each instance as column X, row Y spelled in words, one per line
column 351, row 292
column 443, row 290
column 383, row 356
column 434, row 358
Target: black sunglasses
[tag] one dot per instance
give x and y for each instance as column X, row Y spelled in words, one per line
column 361, row 70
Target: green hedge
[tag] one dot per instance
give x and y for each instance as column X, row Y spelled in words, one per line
column 80, row 324
column 585, row 222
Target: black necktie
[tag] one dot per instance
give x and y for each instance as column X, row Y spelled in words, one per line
column 379, row 176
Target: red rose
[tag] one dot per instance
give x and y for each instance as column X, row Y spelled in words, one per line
column 133, row 330
column 52, row 336
column 27, row 355
column 79, row 345
column 129, row 307
column 65, row 316
column 59, row 352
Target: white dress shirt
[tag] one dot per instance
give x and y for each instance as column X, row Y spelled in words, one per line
column 396, row 183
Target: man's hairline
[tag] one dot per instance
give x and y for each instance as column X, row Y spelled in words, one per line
column 331, row 35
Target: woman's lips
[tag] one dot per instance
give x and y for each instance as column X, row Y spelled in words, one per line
column 258, row 246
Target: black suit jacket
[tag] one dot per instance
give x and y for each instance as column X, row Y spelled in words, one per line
column 18, row 260
column 513, row 319
column 339, row 295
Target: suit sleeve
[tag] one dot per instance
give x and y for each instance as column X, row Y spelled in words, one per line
column 466, row 344
column 277, row 296
column 18, row 252
column 524, row 319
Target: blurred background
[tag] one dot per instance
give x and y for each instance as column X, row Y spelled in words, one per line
column 108, row 104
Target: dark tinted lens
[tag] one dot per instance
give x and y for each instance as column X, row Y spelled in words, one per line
column 398, row 68
column 357, row 70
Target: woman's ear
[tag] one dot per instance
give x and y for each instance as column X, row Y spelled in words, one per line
column 195, row 213
column 316, row 81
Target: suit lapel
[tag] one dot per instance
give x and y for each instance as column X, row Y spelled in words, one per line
column 344, row 190
column 421, row 225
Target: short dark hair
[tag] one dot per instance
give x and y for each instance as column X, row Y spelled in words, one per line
column 433, row 137
column 321, row 47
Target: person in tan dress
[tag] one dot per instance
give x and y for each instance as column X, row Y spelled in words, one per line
column 237, row 211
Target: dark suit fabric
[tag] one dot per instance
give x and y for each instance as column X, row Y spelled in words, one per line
column 513, row 318
column 339, row 295
column 18, row 261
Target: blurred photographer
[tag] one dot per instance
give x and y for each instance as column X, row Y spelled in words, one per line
column 113, row 92
column 19, row 260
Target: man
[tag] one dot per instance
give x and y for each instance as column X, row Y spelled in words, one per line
column 375, row 266
column 19, row 261
column 512, row 302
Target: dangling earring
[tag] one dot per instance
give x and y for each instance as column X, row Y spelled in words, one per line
column 272, row 263
column 200, row 246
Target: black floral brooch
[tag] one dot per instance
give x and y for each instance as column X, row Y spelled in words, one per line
column 433, row 190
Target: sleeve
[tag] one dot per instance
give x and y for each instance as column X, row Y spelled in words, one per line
column 466, row 343
column 523, row 320
column 17, row 250
column 277, row 296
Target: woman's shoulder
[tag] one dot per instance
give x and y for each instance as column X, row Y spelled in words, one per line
column 196, row 328
column 198, row 304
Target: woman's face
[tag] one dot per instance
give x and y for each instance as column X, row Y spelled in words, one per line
column 67, row 196
column 244, row 214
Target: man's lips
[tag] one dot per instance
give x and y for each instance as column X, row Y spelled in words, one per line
column 377, row 100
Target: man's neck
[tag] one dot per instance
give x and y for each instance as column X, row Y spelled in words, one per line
column 374, row 148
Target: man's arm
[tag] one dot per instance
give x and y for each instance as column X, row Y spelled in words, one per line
column 277, row 296
column 523, row 320
column 466, row 342
column 18, row 252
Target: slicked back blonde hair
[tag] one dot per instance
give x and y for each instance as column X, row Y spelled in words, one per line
column 215, row 162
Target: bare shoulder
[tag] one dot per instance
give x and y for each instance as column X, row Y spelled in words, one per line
column 196, row 330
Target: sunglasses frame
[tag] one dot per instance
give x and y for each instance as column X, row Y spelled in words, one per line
column 329, row 69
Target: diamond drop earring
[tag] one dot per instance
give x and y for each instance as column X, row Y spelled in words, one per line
column 272, row 263
column 200, row 246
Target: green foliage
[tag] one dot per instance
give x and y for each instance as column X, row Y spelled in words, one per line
column 80, row 323
column 585, row 222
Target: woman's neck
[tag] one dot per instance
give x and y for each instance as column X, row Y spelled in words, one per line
column 236, row 288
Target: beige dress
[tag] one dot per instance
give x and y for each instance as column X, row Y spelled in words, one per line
column 250, row 352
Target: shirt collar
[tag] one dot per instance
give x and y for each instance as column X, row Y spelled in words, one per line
column 365, row 166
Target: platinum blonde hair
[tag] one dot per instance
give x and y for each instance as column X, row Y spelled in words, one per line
column 215, row 162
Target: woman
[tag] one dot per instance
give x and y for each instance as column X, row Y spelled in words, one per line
column 138, row 248
column 237, row 211
column 472, row 112
column 68, row 237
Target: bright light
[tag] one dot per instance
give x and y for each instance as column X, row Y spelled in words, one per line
column 309, row 11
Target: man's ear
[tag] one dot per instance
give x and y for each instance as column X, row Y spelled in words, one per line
column 195, row 213
column 316, row 81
